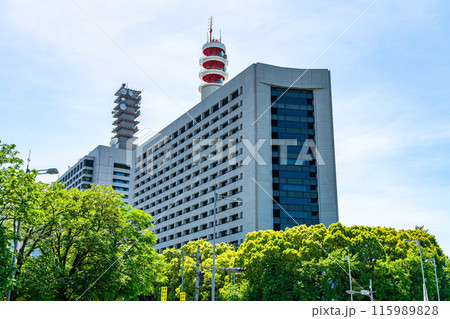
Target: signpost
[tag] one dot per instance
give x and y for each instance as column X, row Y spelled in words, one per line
column 182, row 296
column 163, row 293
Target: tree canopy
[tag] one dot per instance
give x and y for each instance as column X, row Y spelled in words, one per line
column 308, row 263
column 86, row 245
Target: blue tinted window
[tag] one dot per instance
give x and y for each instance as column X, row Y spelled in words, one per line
column 292, row 112
column 293, row 118
column 294, row 174
column 123, row 189
column 120, row 181
column 289, row 136
column 286, row 187
column 295, row 214
column 293, row 100
column 292, row 124
column 294, row 200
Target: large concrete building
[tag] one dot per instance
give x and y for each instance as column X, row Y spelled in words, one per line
column 265, row 137
column 103, row 166
column 252, row 138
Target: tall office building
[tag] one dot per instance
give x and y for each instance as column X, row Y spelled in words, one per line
column 266, row 137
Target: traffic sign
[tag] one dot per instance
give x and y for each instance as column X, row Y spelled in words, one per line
column 163, row 293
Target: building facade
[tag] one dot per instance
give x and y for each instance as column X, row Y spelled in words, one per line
column 266, row 137
column 103, row 166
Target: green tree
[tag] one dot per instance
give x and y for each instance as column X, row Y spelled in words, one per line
column 225, row 257
column 91, row 245
column 17, row 190
column 74, row 244
column 5, row 261
column 307, row 263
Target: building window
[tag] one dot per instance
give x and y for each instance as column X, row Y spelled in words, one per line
column 122, row 189
column 121, row 181
column 224, row 101
column 121, row 174
column 292, row 117
column 121, row 166
column 89, row 163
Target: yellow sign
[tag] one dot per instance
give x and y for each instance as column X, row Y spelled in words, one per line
column 182, row 296
column 163, row 293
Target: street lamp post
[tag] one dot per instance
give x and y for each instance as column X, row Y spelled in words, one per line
column 182, row 270
column 213, row 279
column 216, row 198
column 349, row 275
column 371, row 290
column 51, row 171
column 425, row 293
column 435, row 275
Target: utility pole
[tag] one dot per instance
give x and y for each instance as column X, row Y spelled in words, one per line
column 371, row 290
column 8, row 294
column 350, row 275
column 182, row 270
column 435, row 274
column 425, row 292
column 213, row 283
column 197, row 274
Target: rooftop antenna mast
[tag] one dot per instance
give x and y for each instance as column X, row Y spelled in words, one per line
column 210, row 29
column 214, row 63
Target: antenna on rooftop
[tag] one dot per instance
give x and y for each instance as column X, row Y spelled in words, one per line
column 210, row 29
column 214, row 63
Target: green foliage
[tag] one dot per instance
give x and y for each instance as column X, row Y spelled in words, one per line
column 86, row 237
column 5, row 261
column 8, row 156
column 225, row 257
column 75, row 244
column 308, row 263
column 16, row 192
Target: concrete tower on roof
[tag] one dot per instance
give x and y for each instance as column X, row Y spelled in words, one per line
column 108, row 165
column 125, row 112
column 214, row 63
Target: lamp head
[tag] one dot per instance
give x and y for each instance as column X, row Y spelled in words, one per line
column 52, row 171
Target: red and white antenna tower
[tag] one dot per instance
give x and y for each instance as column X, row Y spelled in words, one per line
column 214, row 63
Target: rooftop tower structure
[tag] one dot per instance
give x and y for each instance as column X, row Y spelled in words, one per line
column 214, row 63
column 126, row 111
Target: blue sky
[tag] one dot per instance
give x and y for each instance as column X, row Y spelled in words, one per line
column 390, row 75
